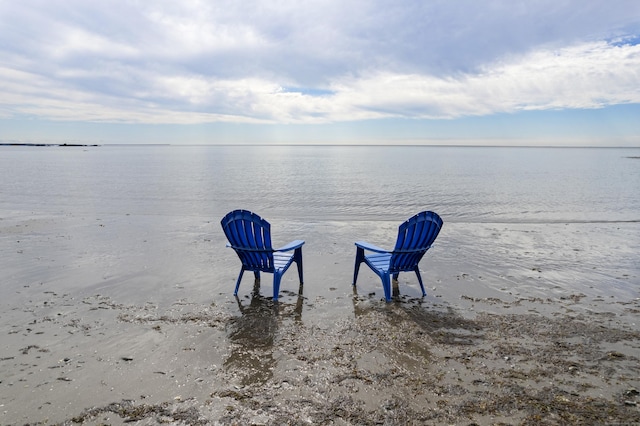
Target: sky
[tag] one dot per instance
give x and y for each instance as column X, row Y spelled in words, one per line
column 460, row 72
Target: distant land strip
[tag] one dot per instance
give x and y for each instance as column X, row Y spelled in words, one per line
column 43, row 144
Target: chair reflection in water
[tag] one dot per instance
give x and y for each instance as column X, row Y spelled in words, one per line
column 415, row 237
column 253, row 333
column 250, row 236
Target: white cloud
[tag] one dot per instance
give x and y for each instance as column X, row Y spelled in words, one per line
column 589, row 75
column 199, row 61
column 80, row 42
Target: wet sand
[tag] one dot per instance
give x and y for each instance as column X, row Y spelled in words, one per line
column 131, row 319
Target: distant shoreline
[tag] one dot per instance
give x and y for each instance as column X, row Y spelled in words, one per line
column 46, row 144
column 317, row 145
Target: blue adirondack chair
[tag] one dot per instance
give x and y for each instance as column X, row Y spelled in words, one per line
column 415, row 237
column 250, row 236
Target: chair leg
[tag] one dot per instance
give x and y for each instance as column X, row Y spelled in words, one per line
column 256, row 275
column 235, row 293
column 276, row 285
column 395, row 288
column 386, row 285
column 359, row 260
column 297, row 257
column 424, row 293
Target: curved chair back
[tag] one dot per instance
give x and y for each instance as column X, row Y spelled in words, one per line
column 250, row 236
column 415, row 237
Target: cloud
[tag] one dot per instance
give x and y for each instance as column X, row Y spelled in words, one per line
column 590, row 75
column 313, row 62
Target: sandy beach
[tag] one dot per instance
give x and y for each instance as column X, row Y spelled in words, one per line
column 105, row 320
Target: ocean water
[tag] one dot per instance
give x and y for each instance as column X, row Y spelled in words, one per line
column 140, row 222
column 463, row 184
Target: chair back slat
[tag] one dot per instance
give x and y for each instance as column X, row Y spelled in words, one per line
column 250, row 237
column 415, row 237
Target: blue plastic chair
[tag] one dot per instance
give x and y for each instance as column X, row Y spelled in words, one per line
column 415, row 237
column 250, row 236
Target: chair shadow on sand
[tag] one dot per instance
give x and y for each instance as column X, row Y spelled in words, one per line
column 252, row 335
column 444, row 326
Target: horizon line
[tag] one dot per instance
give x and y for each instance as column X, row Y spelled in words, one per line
column 67, row 144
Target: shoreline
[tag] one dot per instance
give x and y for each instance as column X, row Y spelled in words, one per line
column 47, row 144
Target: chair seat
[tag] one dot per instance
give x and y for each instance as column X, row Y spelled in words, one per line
column 379, row 261
column 281, row 260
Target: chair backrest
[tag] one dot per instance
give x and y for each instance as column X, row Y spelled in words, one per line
column 415, row 237
column 250, row 236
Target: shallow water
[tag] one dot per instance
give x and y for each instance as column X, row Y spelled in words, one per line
column 565, row 218
column 134, row 220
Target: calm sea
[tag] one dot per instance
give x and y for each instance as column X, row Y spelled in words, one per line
column 136, row 221
column 463, row 184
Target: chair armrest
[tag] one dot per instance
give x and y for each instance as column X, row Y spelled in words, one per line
column 291, row 246
column 367, row 246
